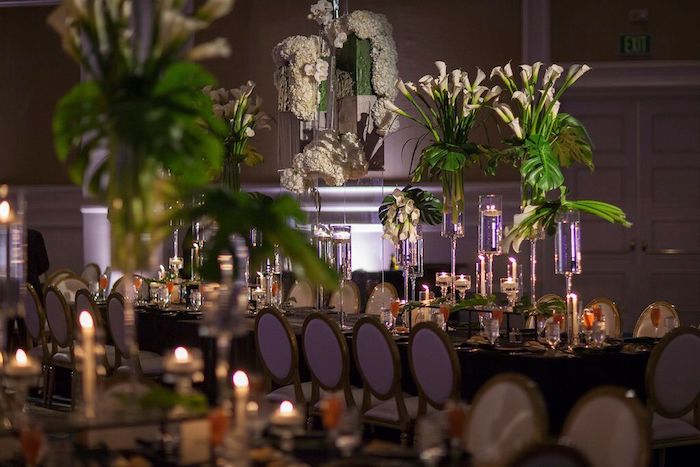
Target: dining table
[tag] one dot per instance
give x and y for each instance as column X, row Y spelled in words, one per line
column 562, row 376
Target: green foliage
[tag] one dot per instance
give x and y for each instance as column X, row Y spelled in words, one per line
column 163, row 399
column 429, row 205
column 571, row 142
column 439, row 158
column 238, row 213
column 546, row 307
column 540, row 168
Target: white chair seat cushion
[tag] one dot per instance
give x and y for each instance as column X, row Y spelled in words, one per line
column 388, row 411
column 286, row 393
column 663, row 428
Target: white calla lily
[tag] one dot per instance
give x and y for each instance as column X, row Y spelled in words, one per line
column 442, row 68
column 515, row 126
column 555, row 109
column 493, row 92
column 575, row 72
column 552, row 74
column 504, row 111
column 508, row 70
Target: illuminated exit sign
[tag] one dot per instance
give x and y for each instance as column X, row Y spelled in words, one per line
column 635, row 45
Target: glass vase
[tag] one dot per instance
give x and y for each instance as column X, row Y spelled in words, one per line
column 453, row 217
column 231, row 175
column 490, row 231
column 567, row 247
column 409, row 256
column 323, row 243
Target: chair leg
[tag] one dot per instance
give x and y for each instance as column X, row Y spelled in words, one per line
column 45, row 383
column 51, row 386
column 404, row 438
column 661, row 460
column 72, row 389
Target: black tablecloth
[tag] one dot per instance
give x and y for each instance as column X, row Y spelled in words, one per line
column 562, row 380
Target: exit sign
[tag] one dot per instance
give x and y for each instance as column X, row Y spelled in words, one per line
column 635, row 45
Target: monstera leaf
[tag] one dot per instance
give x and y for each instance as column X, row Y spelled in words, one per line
column 572, row 142
column 540, row 167
column 439, row 158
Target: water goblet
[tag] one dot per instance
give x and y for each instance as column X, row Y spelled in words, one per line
column 484, row 316
column 349, row 432
column 386, row 318
column 493, row 327
column 553, row 334
column 540, row 322
column 670, row 323
column 598, row 334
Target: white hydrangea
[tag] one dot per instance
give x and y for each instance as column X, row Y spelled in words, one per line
column 298, row 59
column 333, row 157
column 322, row 12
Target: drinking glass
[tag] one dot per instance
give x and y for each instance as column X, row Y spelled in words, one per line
column 510, row 287
column 484, row 316
column 670, row 323
column 493, row 327
column 386, row 318
column 553, row 334
column 196, row 299
column 104, row 282
column 588, row 321
column 656, row 319
column 349, row 432
column 497, row 314
column 429, row 442
column 490, row 233
column 540, row 321
column 598, row 335
column 138, row 282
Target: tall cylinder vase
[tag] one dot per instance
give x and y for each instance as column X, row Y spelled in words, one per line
column 490, row 231
column 567, row 260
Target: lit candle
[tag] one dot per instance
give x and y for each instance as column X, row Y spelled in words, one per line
column 22, row 365
column 241, row 388
column 513, row 269
column 443, row 278
column 183, row 362
column 462, row 281
column 572, row 303
column 424, row 295
column 287, row 415
column 482, row 274
column 89, row 368
column 5, row 213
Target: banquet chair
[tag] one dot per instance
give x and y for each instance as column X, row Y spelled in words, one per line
column 350, row 298
column 85, row 302
column 644, row 326
column 434, row 366
column 145, row 363
column 62, row 352
column 35, row 323
column 610, row 427
column 549, row 455
column 326, row 355
column 69, row 285
column 91, row 273
column 302, row 295
column 673, row 389
column 56, row 276
column 377, row 361
column 276, row 346
column 507, row 414
column 380, row 297
column 611, row 313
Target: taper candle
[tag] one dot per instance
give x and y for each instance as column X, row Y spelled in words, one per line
column 87, row 328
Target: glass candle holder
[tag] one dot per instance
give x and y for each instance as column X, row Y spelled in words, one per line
column 490, row 236
column 567, row 246
column 322, row 240
column 342, row 251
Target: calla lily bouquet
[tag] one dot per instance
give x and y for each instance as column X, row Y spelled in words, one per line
column 543, row 142
column 402, row 211
column 447, row 107
column 243, row 115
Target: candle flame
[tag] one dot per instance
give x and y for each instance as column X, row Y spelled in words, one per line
column 85, row 320
column 427, row 289
column 181, row 354
column 482, row 257
column 21, row 357
column 286, row 407
column 240, row 379
column 512, row 260
column 4, row 211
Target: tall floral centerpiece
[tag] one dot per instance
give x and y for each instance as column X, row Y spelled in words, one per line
column 447, row 107
column 544, row 140
column 401, row 214
column 243, row 115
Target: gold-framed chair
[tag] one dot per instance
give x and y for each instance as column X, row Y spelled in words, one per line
column 549, row 454
column 327, row 357
column 145, row 363
column 613, row 320
column 85, row 302
column 644, row 326
column 350, row 298
column 91, row 273
column 672, row 384
column 61, row 328
column 434, row 367
column 377, row 361
column 276, row 345
column 301, row 295
column 507, row 414
column 610, row 427
column 52, row 278
column 35, row 324
column 380, row 297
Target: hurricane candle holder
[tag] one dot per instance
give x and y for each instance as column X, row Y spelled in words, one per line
column 341, row 236
column 21, row 373
column 444, row 281
column 490, row 234
column 567, row 247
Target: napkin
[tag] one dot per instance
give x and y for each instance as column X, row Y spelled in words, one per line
column 478, row 340
column 535, row 345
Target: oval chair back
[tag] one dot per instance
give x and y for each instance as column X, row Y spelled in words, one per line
column 69, row 285
column 55, row 276
column 302, row 295
column 380, row 297
column 34, row 317
column 507, row 414
column 277, row 347
column 117, row 329
column 91, row 273
column 377, row 361
column 434, row 366
column 644, row 326
column 350, row 295
column 549, row 455
column 326, row 355
column 60, row 319
column 613, row 321
column 85, row 302
column 673, row 373
column 610, row 427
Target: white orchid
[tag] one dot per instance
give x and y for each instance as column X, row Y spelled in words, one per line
column 340, row 39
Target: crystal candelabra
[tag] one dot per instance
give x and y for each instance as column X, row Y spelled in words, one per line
column 490, row 235
column 567, row 260
column 409, row 255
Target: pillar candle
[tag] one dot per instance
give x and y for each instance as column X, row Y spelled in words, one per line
column 89, row 370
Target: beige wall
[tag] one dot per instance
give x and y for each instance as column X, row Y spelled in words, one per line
column 34, row 73
column 588, row 30
column 463, row 33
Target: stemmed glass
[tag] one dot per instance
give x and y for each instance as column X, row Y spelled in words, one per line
column 138, row 282
column 553, row 334
column 540, row 321
column 443, row 280
column 493, row 327
column 656, row 319
column 463, row 283
column 588, row 320
column 484, row 317
column 387, row 319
